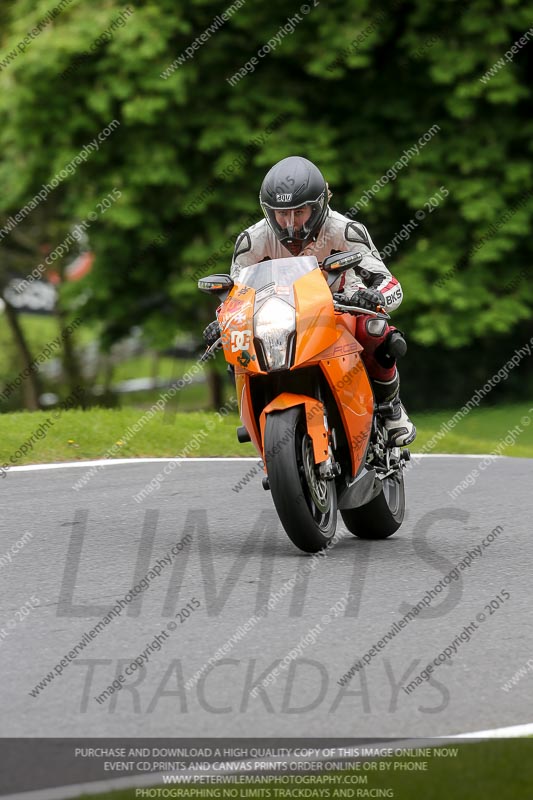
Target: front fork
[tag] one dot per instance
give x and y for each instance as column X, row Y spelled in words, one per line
column 328, row 470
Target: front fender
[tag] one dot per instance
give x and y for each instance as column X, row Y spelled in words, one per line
column 314, row 417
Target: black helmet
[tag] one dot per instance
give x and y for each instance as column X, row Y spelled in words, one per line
column 293, row 183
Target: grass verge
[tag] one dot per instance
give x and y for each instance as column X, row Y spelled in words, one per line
column 75, row 435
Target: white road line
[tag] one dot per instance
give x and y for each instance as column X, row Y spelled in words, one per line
column 115, row 461
column 501, row 733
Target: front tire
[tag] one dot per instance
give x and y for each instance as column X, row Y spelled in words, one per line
column 306, row 505
column 383, row 515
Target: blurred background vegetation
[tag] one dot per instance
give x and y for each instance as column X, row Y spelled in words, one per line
column 351, row 88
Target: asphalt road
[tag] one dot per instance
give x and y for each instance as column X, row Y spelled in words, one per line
column 89, row 547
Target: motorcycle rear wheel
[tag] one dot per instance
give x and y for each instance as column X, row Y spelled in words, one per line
column 384, row 514
column 306, row 505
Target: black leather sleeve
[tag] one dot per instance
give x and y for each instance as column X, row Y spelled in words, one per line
column 371, row 279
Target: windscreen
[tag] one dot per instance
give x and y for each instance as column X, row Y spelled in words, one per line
column 277, row 272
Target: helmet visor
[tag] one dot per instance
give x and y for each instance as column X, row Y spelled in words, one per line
column 297, row 224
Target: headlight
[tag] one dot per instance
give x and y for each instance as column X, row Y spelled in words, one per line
column 274, row 322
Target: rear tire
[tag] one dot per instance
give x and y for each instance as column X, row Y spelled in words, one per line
column 306, row 506
column 383, row 515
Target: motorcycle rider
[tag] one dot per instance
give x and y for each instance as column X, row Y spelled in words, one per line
column 298, row 221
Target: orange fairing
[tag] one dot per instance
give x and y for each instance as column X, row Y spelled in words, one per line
column 314, row 412
column 351, row 388
column 246, row 412
column 316, row 328
column 236, row 319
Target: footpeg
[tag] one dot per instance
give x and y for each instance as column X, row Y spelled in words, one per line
column 406, row 454
column 385, row 408
column 243, row 435
column 266, row 484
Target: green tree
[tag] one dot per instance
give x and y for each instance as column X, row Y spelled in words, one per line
column 354, row 85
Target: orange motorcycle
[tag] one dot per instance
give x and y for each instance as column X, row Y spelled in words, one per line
column 305, row 399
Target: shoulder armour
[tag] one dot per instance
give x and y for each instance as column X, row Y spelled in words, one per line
column 243, row 244
column 355, row 232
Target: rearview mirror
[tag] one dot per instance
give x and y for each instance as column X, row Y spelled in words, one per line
column 215, row 284
column 340, row 262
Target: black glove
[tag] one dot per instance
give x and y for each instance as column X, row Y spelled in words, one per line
column 364, row 298
column 211, row 333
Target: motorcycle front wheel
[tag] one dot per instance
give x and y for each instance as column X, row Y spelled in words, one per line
column 306, row 504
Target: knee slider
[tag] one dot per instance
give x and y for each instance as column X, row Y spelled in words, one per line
column 375, row 327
